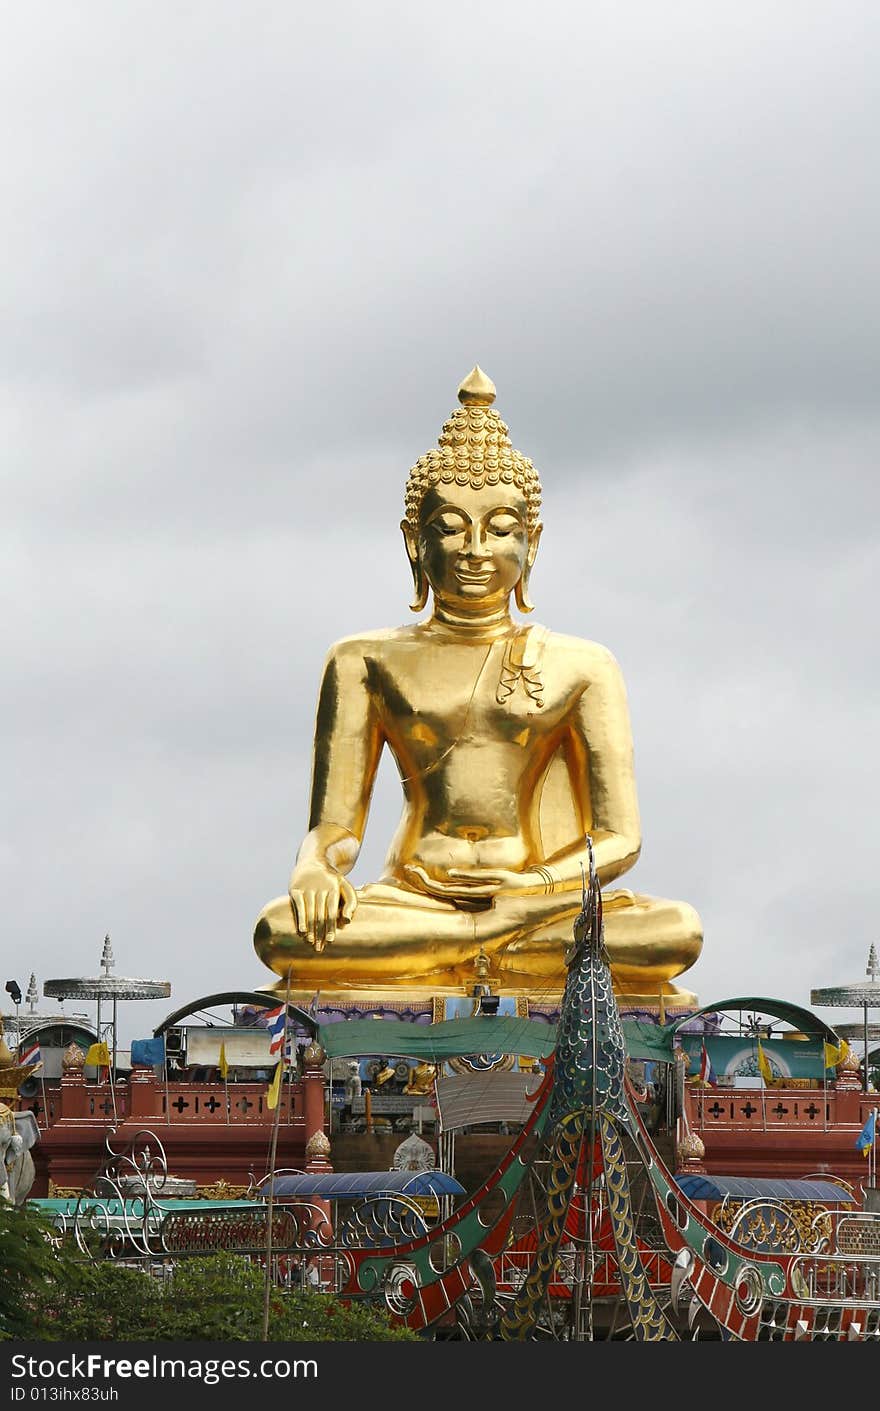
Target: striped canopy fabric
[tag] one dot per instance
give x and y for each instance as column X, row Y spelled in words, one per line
column 771, row 1188
column 353, row 1185
column 470, row 1098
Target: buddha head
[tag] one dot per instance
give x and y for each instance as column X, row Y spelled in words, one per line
column 472, row 522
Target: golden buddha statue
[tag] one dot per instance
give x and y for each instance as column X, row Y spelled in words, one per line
column 421, row 1079
column 513, row 744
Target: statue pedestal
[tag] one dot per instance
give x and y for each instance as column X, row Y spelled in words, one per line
column 432, row 1006
column 144, row 1094
column 74, row 1094
column 674, row 1000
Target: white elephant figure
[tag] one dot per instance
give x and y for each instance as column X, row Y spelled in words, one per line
column 18, row 1134
column 353, row 1081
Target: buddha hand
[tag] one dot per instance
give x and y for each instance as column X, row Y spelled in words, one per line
column 321, row 900
column 462, row 882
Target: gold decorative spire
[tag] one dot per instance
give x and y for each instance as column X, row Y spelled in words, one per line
column 690, row 1150
column 73, row 1060
column 477, row 390
column 317, row 1145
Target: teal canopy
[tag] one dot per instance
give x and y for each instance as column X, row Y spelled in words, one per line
column 432, row 1043
column 650, row 1042
column 801, row 1019
column 454, row 1038
column 114, row 1208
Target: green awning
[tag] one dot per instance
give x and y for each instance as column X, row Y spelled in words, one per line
column 648, row 1041
column 453, row 1038
column 801, row 1019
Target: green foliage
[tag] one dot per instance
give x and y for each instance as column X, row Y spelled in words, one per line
column 102, row 1302
column 217, row 1298
column 28, row 1267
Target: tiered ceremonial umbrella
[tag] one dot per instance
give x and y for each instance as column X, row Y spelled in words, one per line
column 106, row 988
column 860, row 994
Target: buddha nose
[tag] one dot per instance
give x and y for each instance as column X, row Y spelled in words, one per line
column 476, row 547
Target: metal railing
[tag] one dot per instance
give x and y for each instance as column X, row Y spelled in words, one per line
column 513, row 1267
column 845, row 1279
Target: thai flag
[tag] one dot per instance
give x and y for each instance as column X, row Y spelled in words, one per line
column 30, row 1051
column 707, row 1072
column 275, row 1023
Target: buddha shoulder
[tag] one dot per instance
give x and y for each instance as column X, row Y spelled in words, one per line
column 589, row 661
column 352, row 653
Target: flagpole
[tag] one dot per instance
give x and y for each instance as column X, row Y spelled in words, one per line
column 101, row 1060
column 45, row 1102
column 167, row 1090
column 225, row 1075
column 267, row 1290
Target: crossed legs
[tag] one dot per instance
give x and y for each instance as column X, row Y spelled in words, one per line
column 399, row 937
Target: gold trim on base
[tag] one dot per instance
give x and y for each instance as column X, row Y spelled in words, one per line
column 673, row 996
column 673, row 999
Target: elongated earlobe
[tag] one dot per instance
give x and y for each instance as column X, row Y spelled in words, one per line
column 420, row 582
column 420, row 589
column 521, row 591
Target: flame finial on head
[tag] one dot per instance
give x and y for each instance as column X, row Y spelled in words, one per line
column 477, row 390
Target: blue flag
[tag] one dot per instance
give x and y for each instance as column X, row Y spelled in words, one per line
column 148, row 1052
column 865, row 1139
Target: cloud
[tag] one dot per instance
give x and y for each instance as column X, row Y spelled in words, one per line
column 248, row 258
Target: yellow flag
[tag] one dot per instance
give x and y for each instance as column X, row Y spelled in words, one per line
column 834, row 1055
column 223, row 1065
column 98, row 1056
column 764, row 1067
column 274, row 1086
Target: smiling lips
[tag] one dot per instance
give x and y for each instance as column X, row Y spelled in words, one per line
column 469, row 575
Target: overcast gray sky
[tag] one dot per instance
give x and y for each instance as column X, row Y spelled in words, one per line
column 249, row 252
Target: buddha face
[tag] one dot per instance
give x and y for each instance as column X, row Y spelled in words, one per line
column 473, row 546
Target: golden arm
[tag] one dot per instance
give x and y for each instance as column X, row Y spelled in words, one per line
column 599, row 755
column 348, row 743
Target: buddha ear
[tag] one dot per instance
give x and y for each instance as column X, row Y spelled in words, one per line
column 521, row 591
column 420, row 582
